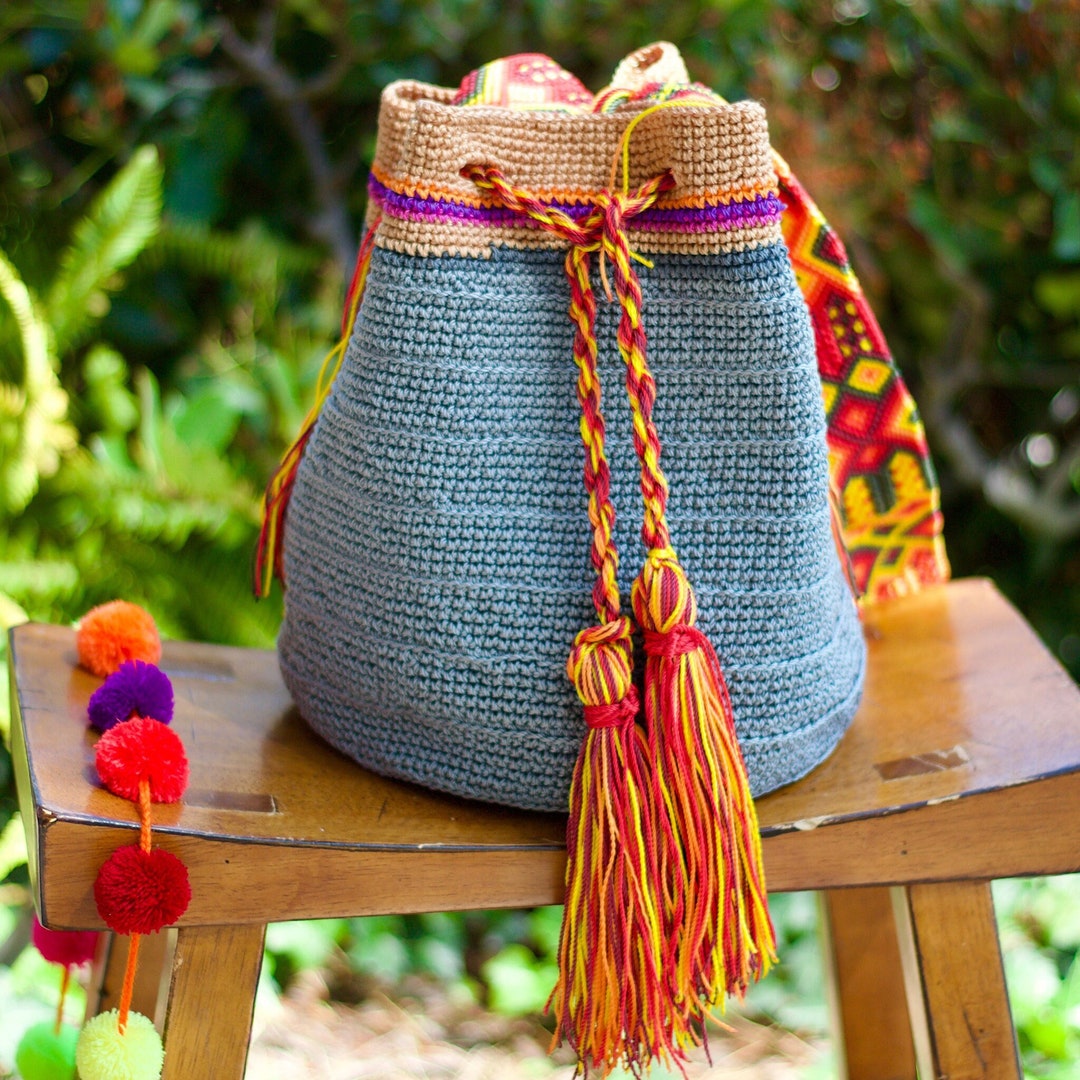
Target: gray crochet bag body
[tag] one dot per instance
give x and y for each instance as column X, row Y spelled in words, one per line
column 437, row 542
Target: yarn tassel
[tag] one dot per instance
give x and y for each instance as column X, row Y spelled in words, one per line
column 716, row 917
column 268, row 550
column 665, row 899
column 609, row 1002
column 725, row 938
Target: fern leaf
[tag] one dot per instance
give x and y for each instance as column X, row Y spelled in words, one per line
column 121, row 221
column 33, row 330
column 32, row 441
column 258, row 263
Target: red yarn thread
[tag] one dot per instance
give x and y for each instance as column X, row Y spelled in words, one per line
column 617, row 715
column 676, row 642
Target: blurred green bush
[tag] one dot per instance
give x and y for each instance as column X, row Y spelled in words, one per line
column 181, row 187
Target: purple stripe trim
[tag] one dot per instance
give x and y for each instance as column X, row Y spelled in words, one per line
column 761, row 210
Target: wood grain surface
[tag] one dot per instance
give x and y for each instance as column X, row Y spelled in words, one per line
column 869, row 1002
column 211, row 996
column 956, row 989
column 963, row 762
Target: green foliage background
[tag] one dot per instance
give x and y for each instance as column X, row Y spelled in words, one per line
column 181, row 186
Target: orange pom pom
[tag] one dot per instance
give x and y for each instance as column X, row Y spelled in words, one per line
column 113, row 633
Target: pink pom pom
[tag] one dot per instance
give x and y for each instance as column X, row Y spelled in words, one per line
column 139, row 892
column 67, row 947
column 142, row 749
column 112, row 633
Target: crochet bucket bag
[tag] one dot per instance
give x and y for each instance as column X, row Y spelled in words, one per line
column 576, row 426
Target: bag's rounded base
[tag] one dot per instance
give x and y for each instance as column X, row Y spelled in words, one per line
column 519, row 768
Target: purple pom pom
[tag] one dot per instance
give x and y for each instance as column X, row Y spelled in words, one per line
column 134, row 689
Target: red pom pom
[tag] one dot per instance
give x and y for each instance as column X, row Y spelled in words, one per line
column 139, row 892
column 113, row 633
column 67, row 947
column 142, row 749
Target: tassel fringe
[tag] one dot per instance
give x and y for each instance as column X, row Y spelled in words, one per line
column 610, row 951
column 725, row 938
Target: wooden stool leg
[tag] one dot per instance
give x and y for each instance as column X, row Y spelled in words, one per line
column 107, row 975
column 211, row 998
column 955, row 981
column 868, row 985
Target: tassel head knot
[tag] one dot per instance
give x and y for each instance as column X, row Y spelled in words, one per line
column 600, row 664
column 621, row 714
column 678, row 641
column 662, row 598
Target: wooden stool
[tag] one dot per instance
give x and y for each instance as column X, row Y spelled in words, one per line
column 963, row 765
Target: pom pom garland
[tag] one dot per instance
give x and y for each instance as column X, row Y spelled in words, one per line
column 105, row 1052
column 136, row 688
column 138, row 751
column 139, row 892
column 113, row 633
column 67, row 947
column 45, row 1053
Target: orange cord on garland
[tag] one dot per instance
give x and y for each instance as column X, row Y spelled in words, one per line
column 127, row 990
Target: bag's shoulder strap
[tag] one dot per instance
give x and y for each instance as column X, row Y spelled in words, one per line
column 890, row 505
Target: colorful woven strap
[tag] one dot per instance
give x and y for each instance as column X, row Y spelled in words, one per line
column 879, row 460
column 269, row 548
column 525, row 81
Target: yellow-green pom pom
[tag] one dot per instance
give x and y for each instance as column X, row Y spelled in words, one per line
column 45, row 1054
column 104, row 1054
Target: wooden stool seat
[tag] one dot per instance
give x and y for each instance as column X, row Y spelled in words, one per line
column 963, row 765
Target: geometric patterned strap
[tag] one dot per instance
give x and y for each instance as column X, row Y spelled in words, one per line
column 884, row 481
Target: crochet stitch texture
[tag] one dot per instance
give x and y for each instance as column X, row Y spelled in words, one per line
column 437, row 542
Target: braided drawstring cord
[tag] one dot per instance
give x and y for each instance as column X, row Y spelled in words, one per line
column 665, row 895
column 610, row 1001
column 585, row 236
